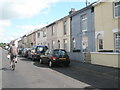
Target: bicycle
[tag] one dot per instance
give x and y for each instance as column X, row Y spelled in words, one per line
column 13, row 64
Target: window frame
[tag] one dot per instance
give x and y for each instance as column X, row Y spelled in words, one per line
column 44, row 33
column 115, row 40
column 53, row 30
column 83, row 19
column 58, row 44
column 65, row 44
column 99, row 37
column 38, row 35
column 114, row 7
column 74, row 43
column 53, row 44
column 64, row 27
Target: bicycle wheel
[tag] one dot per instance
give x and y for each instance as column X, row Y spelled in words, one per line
column 13, row 66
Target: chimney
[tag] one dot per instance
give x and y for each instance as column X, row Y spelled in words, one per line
column 72, row 11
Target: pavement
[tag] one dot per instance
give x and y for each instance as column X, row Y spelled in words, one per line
column 98, row 70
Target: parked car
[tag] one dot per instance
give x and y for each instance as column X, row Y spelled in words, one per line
column 20, row 50
column 29, row 53
column 25, row 52
column 54, row 57
column 36, row 52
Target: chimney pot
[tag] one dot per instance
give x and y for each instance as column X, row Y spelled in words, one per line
column 72, row 11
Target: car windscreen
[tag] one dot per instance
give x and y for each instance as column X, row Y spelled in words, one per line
column 41, row 49
column 60, row 52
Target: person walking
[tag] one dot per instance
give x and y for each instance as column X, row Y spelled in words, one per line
column 13, row 53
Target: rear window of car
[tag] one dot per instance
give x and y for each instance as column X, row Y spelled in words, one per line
column 41, row 49
column 60, row 52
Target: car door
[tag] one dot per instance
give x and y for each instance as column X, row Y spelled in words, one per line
column 48, row 56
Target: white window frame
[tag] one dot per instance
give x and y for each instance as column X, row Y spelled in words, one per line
column 116, row 7
column 65, row 27
column 53, row 44
column 74, row 43
column 38, row 35
column 44, row 33
column 117, row 41
column 83, row 19
column 53, row 30
column 65, row 44
column 99, row 37
column 85, row 43
column 58, row 44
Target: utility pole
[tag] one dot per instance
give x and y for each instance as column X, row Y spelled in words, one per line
column 87, row 3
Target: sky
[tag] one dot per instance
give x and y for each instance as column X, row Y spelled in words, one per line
column 19, row 17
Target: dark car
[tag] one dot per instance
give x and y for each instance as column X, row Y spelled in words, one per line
column 37, row 51
column 20, row 50
column 54, row 57
column 29, row 53
column 25, row 52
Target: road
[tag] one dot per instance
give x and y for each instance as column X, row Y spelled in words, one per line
column 29, row 74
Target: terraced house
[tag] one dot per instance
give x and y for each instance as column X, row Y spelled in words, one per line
column 41, row 36
column 107, row 33
column 52, row 36
column 82, row 33
column 31, row 39
column 63, row 33
column 58, row 33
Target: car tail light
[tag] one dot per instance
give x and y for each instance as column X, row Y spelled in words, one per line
column 35, row 53
column 53, row 58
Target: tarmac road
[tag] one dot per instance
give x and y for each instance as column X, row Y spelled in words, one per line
column 29, row 74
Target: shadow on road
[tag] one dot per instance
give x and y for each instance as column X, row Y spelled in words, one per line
column 25, row 59
column 93, row 80
column 6, row 69
column 36, row 63
column 90, row 78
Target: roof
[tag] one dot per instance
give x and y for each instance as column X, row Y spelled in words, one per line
column 82, row 10
column 100, row 1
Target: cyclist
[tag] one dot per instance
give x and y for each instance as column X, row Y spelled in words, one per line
column 13, row 53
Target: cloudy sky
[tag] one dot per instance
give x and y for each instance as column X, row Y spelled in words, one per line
column 18, row 17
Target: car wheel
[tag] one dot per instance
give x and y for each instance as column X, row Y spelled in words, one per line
column 50, row 64
column 41, row 62
column 66, row 65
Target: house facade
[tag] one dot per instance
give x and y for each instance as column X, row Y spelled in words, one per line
column 107, row 33
column 41, row 36
column 82, row 32
column 24, row 41
column 63, row 33
column 20, row 44
column 52, row 36
column 107, row 29
column 31, row 39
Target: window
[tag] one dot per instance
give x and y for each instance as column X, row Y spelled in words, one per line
column 38, row 35
column 85, row 44
column 58, row 44
column 53, row 30
column 64, row 27
column 44, row 33
column 65, row 44
column 100, row 41
column 117, row 9
column 48, row 45
column 84, row 23
column 74, row 44
column 53, row 44
column 117, row 42
column 60, row 52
